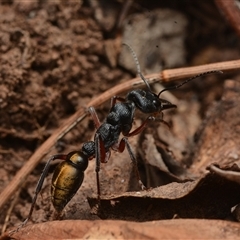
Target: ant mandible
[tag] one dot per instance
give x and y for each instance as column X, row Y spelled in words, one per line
column 69, row 174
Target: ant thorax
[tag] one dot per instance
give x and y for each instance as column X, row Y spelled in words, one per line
column 122, row 114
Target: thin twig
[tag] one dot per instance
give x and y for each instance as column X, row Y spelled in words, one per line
column 9, row 211
column 231, row 12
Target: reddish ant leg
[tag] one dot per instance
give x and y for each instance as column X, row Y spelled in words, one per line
column 141, row 127
column 101, row 156
column 39, row 186
column 94, row 116
column 114, row 99
column 124, row 142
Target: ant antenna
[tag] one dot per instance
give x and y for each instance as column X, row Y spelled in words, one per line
column 138, row 65
column 188, row 80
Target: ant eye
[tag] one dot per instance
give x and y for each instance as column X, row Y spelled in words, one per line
column 154, row 102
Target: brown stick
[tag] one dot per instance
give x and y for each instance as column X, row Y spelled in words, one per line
column 231, row 12
column 164, row 76
column 179, row 73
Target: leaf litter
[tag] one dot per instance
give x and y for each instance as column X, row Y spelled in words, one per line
column 200, row 193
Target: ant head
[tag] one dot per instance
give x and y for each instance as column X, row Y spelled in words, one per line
column 148, row 101
column 188, row 80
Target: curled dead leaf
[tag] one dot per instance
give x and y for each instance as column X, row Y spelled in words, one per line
column 218, row 140
column 211, row 196
column 232, row 175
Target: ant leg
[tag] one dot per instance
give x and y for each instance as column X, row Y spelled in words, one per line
column 163, row 121
column 101, row 156
column 114, row 100
column 94, row 116
column 39, row 186
column 98, row 160
column 124, row 142
column 144, row 125
column 141, row 127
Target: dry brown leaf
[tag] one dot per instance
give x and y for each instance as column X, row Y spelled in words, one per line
column 166, row 229
column 232, row 174
column 160, row 167
column 219, row 138
column 212, row 196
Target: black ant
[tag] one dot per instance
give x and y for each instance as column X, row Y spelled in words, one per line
column 69, row 174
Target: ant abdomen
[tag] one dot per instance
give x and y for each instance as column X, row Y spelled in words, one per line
column 67, row 179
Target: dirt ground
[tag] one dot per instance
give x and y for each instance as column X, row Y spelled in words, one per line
column 56, row 56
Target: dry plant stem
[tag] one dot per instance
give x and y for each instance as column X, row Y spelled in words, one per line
column 231, row 12
column 9, row 211
column 230, row 175
column 42, row 151
column 179, row 73
column 126, row 6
